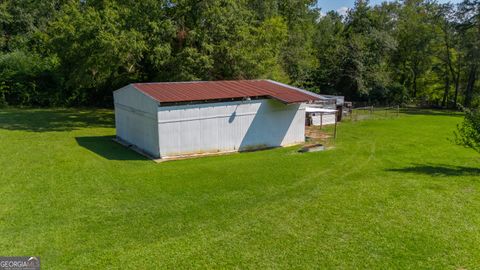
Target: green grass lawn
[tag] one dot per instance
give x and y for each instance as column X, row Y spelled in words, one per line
column 392, row 194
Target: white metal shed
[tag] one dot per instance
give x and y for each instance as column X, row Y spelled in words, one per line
column 169, row 120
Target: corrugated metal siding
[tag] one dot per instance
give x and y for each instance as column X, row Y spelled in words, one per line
column 229, row 126
column 136, row 119
column 216, row 90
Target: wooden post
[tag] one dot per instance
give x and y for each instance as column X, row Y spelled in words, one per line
column 335, row 131
column 321, row 121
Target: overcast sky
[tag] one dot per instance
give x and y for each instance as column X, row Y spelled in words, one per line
column 343, row 5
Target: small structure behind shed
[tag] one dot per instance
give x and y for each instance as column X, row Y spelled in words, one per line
column 317, row 116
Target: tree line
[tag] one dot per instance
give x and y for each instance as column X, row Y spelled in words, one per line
column 76, row 52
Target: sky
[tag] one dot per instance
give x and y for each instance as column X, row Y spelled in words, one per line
column 341, row 6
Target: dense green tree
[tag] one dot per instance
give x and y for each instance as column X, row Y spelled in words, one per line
column 448, row 52
column 330, row 46
column 469, row 13
column 353, row 53
column 95, row 49
column 75, row 52
column 414, row 35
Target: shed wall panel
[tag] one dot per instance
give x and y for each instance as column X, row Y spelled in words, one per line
column 229, row 126
column 136, row 119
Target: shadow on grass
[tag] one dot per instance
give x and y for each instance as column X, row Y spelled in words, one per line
column 439, row 170
column 432, row 112
column 44, row 120
column 104, row 146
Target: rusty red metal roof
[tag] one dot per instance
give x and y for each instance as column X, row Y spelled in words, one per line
column 215, row 90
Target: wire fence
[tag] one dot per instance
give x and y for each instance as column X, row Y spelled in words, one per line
column 325, row 135
column 372, row 113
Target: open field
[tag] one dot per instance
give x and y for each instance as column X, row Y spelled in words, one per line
column 393, row 194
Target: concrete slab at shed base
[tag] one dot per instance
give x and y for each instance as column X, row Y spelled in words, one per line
column 189, row 156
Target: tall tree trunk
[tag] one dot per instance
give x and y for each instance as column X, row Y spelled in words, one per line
column 455, row 75
column 457, row 87
column 447, row 89
column 471, row 83
column 414, row 84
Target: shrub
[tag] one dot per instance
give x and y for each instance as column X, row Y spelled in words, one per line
column 468, row 132
column 27, row 79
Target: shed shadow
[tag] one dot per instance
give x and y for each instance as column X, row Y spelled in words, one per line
column 232, row 117
column 47, row 120
column 105, row 147
column 439, row 170
column 263, row 133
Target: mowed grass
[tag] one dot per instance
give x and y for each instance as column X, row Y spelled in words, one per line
column 392, row 194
